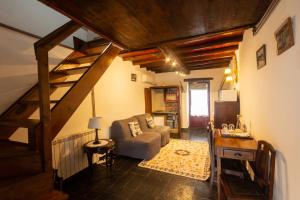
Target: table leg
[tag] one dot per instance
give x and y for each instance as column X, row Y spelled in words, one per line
column 90, row 161
column 219, row 176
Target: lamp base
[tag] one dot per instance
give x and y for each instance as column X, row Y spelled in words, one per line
column 97, row 142
column 96, row 138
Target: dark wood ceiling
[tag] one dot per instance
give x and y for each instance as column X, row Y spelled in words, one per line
column 154, row 29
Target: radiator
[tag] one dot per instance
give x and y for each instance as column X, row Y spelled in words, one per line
column 68, row 157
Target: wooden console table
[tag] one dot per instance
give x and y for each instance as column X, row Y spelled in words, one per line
column 234, row 148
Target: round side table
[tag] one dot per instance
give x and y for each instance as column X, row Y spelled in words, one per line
column 106, row 147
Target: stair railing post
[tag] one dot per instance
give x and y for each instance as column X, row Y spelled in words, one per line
column 45, row 112
column 42, row 47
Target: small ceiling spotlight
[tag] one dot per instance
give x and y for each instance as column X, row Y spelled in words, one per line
column 174, row 63
column 176, row 72
column 227, row 71
column 168, row 59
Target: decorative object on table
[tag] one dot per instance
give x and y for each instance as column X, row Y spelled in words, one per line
column 284, row 36
column 133, row 77
column 239, row 122
column 182, row 157
column 231, row 127
column 94, row 123
column 261, row 57
column 224, row 126
column 236, row 133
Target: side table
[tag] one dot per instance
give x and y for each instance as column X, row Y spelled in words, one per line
column 105, row 147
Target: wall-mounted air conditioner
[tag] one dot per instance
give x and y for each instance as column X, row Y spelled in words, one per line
column 148, row 78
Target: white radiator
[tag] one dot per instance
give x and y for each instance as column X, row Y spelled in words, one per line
column 68, row 157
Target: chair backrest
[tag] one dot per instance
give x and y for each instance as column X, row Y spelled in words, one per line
column 211, row 142
column 264, row 168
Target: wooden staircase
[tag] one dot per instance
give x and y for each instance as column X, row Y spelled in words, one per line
column 77, row 74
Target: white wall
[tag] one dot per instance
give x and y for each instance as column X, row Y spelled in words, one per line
column 270, row 96
column 34, row 17
column 173, row 79
column 117, row 97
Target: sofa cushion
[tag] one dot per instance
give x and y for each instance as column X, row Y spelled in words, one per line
column 120, row 129
column 135, row 128
column 150, row 122
column 143, row 123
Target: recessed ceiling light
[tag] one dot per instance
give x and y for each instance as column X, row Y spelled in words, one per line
column 174, row 63
column 168, row 59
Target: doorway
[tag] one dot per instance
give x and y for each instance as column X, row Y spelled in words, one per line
column 199, row 104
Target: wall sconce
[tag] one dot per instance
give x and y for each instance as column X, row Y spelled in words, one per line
column 229, row 78
column 227, row 71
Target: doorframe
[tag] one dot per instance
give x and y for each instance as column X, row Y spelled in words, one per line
column 200, row 80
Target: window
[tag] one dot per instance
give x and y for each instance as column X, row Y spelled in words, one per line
column 199, row 102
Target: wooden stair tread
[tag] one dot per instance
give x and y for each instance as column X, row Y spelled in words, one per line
column 62, row 84
column 25, row 123
column 82, row 59
column 71, row 71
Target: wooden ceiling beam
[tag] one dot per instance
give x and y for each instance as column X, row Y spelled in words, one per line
column 207, row 37
column 144, row 57
column 211, row 57
column 147, row 61
column 167, row 52
column 207, row 65
column 210, row 52
column 125, row 54
column 208, row 62
column 210, row 46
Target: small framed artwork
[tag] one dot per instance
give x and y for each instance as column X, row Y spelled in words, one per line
column 285, row 36
column 261, row 57
column 133, row 77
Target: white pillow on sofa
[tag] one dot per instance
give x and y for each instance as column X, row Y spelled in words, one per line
column 135, row 128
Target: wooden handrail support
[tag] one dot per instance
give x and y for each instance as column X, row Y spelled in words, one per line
column 42, row 47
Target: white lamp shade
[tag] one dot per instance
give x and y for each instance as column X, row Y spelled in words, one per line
column 94, row 123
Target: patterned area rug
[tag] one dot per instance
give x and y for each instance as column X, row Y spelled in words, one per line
column 182, row 157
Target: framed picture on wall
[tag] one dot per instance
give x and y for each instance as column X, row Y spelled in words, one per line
column 284, row 36
column 261, row 57
column 133, row 77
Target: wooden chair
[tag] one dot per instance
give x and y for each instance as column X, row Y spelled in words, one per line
column 229, row 166
column 233, row 188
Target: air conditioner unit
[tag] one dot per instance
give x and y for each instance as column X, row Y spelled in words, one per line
column 146, row 78
column 227, row 95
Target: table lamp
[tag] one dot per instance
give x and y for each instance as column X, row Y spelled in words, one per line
column 94, row 123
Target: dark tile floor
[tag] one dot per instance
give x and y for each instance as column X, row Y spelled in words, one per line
column 128, row 181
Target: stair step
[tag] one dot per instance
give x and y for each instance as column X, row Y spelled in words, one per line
column 25, row 123
column 63, row 84
column 72, row 71
column 82, row 59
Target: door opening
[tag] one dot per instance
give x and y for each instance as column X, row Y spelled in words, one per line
column 199, row 104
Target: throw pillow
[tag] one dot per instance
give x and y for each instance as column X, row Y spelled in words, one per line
column 150, row 122
column 135, row 129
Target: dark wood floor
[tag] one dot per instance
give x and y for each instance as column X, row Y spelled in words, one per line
column 128, row 181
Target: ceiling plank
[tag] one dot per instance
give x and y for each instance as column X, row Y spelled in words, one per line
column 210, row 46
